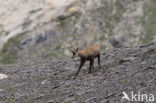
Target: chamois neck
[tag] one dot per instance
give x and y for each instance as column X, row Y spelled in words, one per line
column 80, row 53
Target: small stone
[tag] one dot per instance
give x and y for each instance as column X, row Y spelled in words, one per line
column 129, row 59
column 1, row 90
column 91, row 100
column 45, row 82
column 50, row 101
column 3, row 76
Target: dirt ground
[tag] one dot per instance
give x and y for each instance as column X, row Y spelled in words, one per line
column 53, row 81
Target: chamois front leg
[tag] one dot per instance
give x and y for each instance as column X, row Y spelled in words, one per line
column 91, row 65
column 81, row 64
column 99, row 60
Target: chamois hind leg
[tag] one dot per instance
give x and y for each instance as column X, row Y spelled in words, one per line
column 99, row 60
column 91, row 65
column 81, row 64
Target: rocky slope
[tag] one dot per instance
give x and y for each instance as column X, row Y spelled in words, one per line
column 52, row 81
column 24, row 16
column 48, row 29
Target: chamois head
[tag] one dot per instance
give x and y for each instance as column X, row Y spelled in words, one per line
column 75, row 53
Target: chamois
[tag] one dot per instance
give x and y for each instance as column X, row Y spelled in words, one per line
column 87, row 54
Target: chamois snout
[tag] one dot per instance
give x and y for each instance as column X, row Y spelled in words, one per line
column 75, row 54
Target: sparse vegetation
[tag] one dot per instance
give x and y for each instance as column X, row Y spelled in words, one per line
column 126, row 80
column 8, row 53
column 9, row 99
column 148, row 22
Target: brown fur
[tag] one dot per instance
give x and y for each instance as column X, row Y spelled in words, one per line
column 89, row 53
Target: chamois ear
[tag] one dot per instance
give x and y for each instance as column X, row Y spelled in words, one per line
column 72, row 51
column 77, row 49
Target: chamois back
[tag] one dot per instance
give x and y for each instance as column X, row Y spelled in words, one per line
column 91, row 50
